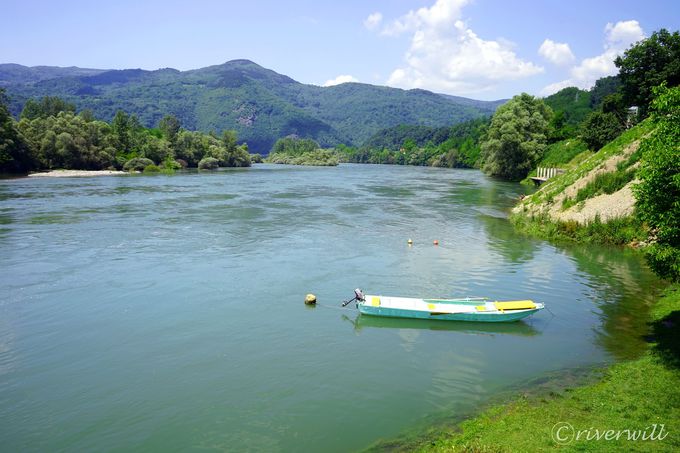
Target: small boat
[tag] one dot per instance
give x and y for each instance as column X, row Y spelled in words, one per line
column 478, row 309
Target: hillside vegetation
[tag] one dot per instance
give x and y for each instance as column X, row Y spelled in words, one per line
column 51, row 136
column 260, row 104
column 601, row 179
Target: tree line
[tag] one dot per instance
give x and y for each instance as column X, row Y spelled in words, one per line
column 456, row 146
column 50, row 135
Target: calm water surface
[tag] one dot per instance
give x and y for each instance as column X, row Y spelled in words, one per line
column 165, row 313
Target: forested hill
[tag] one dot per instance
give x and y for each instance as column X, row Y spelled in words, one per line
column 260, row 104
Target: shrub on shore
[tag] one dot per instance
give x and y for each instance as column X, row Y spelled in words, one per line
column 208, row 163
column 137, row 164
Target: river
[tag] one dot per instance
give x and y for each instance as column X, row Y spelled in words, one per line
column 165, row 313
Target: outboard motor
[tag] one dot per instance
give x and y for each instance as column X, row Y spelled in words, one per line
column 358, row 296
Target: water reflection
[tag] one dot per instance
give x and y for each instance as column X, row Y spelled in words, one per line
column 503, row 239
column 521, row 328
column 625, row 288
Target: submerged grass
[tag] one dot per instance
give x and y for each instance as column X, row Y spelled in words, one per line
column 635, row 398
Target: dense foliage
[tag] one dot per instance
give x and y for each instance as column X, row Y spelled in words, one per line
column 603, row 87
column 453, row 147
column 516, row 138
column 570, row 106
column 658, row 194
column 14, row 155
column 259, row 104
column 48, row 138
column 301, row 151
column 648, row 64
column 600, row 128
column 47, row 106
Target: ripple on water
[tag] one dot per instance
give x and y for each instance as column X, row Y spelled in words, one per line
column 172, row 305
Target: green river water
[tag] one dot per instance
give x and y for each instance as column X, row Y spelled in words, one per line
column 165, row 313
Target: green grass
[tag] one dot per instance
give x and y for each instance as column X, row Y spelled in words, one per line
column 619, row 231
column 559, row 183
column 604, row 183
column 562, row 152
column 631, row 395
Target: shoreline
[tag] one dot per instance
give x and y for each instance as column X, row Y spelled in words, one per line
column 75, row 173
column 633, row 395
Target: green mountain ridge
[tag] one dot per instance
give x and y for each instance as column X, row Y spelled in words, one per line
column 260, row 104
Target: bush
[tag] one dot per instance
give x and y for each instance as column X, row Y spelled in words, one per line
column 256, row 158
column 137, row 164
column 599, row 129
column 659, row 190
column 151, row 169
column 172, row 164
column 208, row 163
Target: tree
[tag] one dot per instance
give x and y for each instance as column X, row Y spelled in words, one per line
column 121, row 130
column 294, row 145
column 658, row 194
column 648, row 64
column 170, row 126
column 229, row 140
column 603, row 87
column 600, row 128
column 14, row 152
column 47, row 106
column 517, row 137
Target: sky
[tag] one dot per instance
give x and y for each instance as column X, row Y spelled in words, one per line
column 482, row 49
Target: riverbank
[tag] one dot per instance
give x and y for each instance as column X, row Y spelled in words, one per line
column 635, row 406
column 75, row 173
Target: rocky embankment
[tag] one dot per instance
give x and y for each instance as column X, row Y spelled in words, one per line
column 551, row 200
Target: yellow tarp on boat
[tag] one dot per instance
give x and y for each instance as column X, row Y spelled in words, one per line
column 515, row 305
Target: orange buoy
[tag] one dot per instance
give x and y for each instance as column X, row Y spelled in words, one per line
column 435, row 242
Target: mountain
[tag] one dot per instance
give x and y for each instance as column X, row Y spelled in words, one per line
column 260, row 104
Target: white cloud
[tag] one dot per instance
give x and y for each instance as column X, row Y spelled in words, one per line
column 618, row 37
column 345, row 78
column 373, row 20
column 556, row 52
column 446, row 55
column 623, row 33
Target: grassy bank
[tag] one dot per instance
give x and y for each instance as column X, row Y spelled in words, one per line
column 634, row 396
column 620, row 231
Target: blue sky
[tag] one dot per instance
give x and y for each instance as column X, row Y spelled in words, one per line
column 484, row 49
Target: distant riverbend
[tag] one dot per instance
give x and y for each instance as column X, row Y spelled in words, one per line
column 166, row 312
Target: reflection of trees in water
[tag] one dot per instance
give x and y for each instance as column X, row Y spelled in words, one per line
column 625, row 289
column 487, row 192
column 503, row 239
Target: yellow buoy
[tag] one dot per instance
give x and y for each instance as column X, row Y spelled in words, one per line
column 310, row 299
column 409, row 242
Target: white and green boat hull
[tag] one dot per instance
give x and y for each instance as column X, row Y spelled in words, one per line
column 475, row 310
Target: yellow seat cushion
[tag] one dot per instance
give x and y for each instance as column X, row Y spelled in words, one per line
column 515, row 305
column 375, row 301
